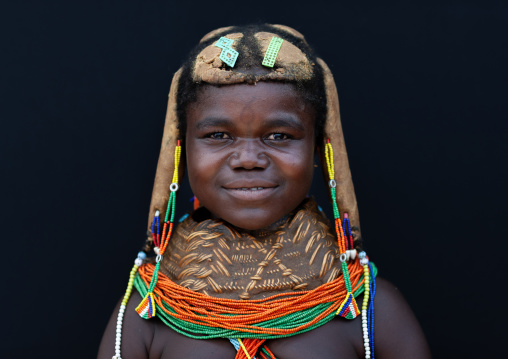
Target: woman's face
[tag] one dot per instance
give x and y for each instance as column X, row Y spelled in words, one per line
column 250, row 151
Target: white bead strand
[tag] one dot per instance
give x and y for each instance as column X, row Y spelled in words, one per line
column 119, row 321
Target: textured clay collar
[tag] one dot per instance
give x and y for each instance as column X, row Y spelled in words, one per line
column 215, row 259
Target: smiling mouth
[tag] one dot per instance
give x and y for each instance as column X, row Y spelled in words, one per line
column 249, row 194
column 249, row 188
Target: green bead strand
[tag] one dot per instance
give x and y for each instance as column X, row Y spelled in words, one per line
column 171, row 207
column 345, row 273
column 154, row 278
column 336, row 213
column 173, row 201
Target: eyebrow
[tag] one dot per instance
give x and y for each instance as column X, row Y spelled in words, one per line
column 285, row 121
column 281, row 120
column 212, row 122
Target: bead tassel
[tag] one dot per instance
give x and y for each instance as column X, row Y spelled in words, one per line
column 146, row 309
column 348, row 308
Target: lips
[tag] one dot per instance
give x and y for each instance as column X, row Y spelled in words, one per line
column 249, row 184
column 250, row 190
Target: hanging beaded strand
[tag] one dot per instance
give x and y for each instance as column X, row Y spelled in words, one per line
column 119, row 321
column 346, row 224
column 370, row 312
column 156, row 234
column 350, row 251
column 348, row 308
column 368, row 305
column 146, row 309
column 365, row 304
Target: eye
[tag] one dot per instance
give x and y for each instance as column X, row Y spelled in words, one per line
column 218, row 136
column 278, row 137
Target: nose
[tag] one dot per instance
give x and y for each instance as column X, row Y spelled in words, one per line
column 248, row 154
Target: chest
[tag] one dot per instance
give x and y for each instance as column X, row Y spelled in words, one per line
column 337, row 339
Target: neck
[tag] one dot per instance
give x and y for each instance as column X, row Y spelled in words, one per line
column 203, row 214
column 296, row 253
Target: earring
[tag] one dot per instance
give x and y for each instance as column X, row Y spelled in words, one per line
column 146, row 309
column 348, row 309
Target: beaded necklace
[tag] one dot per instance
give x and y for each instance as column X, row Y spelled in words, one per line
column 200, row 316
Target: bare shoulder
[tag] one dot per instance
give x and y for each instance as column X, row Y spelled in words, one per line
column 397, row 331
column 137, row 333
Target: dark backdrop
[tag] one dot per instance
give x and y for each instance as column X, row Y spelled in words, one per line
column 83, row 98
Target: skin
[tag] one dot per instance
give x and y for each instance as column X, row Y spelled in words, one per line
column 246, row 136
column 250, row 152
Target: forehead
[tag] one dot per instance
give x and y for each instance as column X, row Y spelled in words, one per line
column 262, row 99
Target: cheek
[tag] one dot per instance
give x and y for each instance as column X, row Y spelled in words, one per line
column 196, row 168
column 298, row 171
column 202, row 169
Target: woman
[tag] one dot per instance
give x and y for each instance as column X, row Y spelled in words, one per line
column 256, row 269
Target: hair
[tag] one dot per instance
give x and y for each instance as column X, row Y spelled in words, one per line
column 249, row 64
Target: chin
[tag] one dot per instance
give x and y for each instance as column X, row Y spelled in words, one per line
column 250, row 224
column 251, row 221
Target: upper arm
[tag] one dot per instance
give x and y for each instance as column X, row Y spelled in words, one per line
column 397, row 331
column 137, row 333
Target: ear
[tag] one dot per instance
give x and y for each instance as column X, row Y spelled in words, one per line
column 165, row 165
column 346, row 199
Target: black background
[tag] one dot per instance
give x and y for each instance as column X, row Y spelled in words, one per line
column 84, row 88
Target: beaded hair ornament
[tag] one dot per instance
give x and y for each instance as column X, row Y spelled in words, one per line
column 291, row 63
